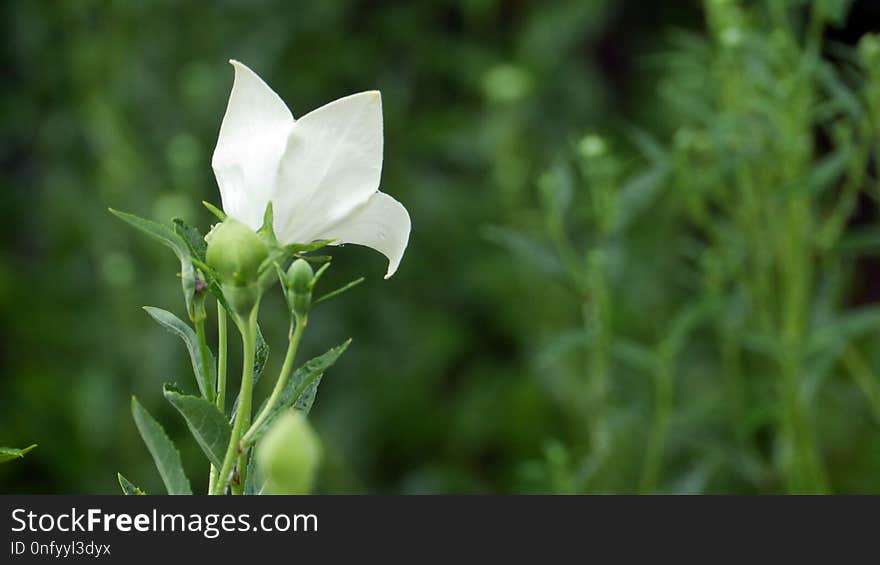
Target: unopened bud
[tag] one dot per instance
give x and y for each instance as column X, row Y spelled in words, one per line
column 235, row 251
column 300, row 277
column 289, row 455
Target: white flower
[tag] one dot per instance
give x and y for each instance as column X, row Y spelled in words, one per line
column 321, row 172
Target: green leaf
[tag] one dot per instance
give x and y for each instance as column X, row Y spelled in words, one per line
column 128, row 488
column 204, row 378
column 306, row 247
column 261, row 355
column 340, row 290
column 848, row 327
column 193, row 238
column 300, row 390
column 167, row 236
column 221, row 215
column 165, row 455
column 827, row 171
column 305, row 400
column 10, row 453
column 205, row 421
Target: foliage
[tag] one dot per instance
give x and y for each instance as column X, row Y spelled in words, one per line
column 711, row 269
column 473, row 370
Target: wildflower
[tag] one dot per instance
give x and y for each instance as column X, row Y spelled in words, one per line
column 321, row 172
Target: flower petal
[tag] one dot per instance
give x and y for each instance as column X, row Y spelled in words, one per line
column 382, row 223
column 332, row 165
column 252, row 140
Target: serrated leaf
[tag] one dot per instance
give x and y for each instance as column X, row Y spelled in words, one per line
column 168, row 237
column 205, row 377
column 205, row 421
column 128, row 488
column 10, row 453
column 300, row 390
column 261, row 355
column 306, row 400
column 193, row 238
column 165, row 455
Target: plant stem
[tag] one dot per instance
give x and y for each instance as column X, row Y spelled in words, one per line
column 248, row 329
column 221, row 358
column 205, row 355
column 598, row 365
column 663, row 404
column 294, row 338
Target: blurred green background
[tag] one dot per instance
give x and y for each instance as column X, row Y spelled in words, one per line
column 642, row 257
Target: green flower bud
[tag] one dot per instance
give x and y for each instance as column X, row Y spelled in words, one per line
column 299, row 279
column 236, row 252
column 289, row 455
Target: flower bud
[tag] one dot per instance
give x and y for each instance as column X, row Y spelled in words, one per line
column 299, row 278
column 235, row 251
column 289, row 455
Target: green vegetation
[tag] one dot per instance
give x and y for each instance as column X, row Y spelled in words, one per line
column 643, row 255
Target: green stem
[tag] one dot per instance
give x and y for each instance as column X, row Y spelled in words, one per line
column 221, row 379
column 221, row 358
column 205, row 355
column 663, row 404
column 294, row 338
column 803, row 469
column 248, row 329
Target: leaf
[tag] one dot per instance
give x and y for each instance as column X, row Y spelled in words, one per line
column 846, row 328
column 221, row 215
column 193, row 238
column 340, row 290
column 301, row 389
column 10, row 453
column 857, row 241
column 165, row 455
column 167, row 236
column 828, row 170
column 261, row 355
column 305, row 400
column 128, row 488
column 306, row 247
column 172, row 323
column 205, row 421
